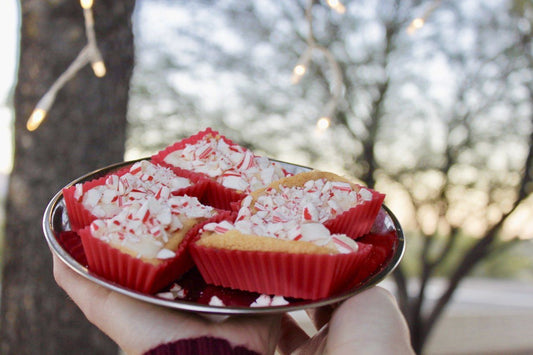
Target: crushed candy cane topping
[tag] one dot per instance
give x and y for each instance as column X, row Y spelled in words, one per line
column 298, row 213
column 143, row 178
column 231, row 165
column 215, row 301
column 147, row 224
column 266, row 301
column 175, row 292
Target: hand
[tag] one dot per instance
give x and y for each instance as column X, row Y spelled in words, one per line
column 138, row 326
column 368, row 323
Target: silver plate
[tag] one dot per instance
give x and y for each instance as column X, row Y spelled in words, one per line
column 55, row 221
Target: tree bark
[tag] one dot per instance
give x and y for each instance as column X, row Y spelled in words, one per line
column 84, row 130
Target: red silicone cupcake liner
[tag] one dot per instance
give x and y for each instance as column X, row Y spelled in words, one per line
column 191, row 175
column 80, row 217
column 197, row 187
column 216, row 195
column 125, row 270
column 222, row 197
column 306, row 276
column 358, row 220
column 213, row 193
column 386, row 241
column 383, row 247
column 221, row 215
column 71, row 242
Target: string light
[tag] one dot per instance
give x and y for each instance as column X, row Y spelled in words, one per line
column 416, row 24
column 45, row 103
column 86, row 4
column 300, row 69
column 37, row 117
column 97, row 63
column 99, row 68
column 323, row 123
column 337, row 6
column 419, row 22
column 89, row 54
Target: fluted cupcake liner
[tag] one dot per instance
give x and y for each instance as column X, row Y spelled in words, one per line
column 70, row 241
column 128, row 271
column 218, row 195
column 80, row 217
column 358, row 220
column 384, row 245
column 222, row 197
column 305, row 276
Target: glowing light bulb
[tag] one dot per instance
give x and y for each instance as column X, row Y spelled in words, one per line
column 37, row 117
column 297, row 73
column 416, row 24
column 99, row 68
column 300, row 69
column 323, row 123
column 337, row 6
column 86, row 4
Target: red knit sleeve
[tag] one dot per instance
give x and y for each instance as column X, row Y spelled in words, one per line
column 201, row 345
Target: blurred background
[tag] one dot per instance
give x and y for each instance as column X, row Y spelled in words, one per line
column 430, row 102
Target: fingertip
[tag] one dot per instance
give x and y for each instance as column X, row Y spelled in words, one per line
column 376, row 296
column 370, row 320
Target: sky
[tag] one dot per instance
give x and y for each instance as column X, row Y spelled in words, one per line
column 9, row 22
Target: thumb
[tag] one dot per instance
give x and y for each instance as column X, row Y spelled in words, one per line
column 369, row 323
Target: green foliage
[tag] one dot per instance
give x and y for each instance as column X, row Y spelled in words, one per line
column 515, row 262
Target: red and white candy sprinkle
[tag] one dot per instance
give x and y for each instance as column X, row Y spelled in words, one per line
column 267, row 301
column 145, row 225
column 298, row 213
column 232, row 166
column 143, row 177
column 215, row 301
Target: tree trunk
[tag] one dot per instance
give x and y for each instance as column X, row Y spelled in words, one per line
column 84, row 130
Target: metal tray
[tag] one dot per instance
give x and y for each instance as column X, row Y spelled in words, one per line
column 55, row 221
